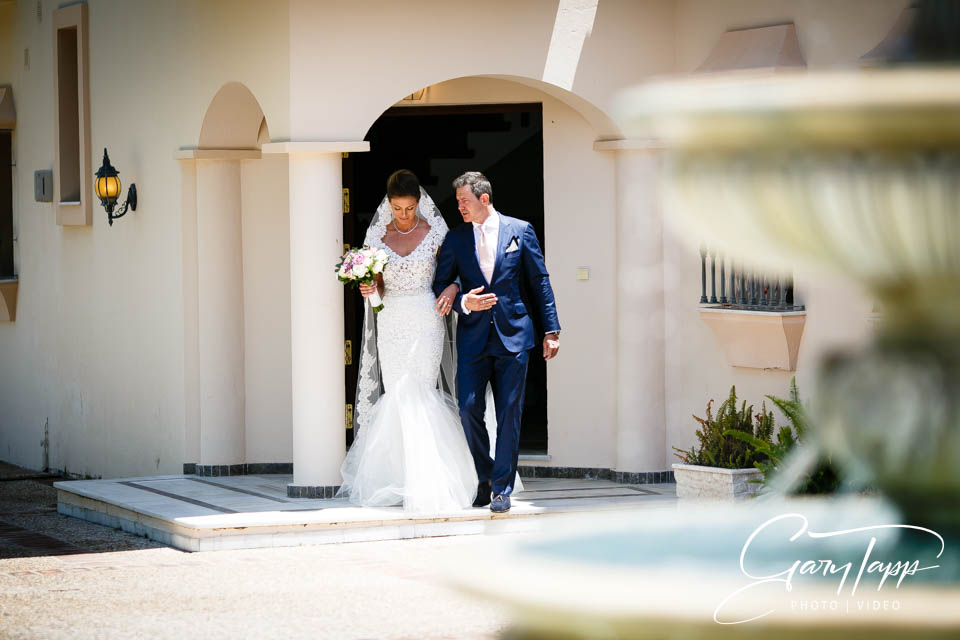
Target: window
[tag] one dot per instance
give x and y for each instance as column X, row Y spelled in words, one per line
column 6, row 205
column 72, row 181
column 8, row 280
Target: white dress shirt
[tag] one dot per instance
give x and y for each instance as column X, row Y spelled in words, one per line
column 491, row 228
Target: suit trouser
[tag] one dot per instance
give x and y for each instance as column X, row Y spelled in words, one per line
column 507, row 373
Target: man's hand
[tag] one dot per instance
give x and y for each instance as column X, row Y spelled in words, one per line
column 551, row 345
column 473, row 301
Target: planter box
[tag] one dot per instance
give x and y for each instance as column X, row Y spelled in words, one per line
column 714, row 483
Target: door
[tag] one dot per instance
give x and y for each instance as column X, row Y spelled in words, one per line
column 503, row 141
column 6, row 205
column 352, row 304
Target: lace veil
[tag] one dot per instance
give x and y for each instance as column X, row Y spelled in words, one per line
column 369, row 383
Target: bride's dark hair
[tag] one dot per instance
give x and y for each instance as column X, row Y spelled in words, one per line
column 403, row 183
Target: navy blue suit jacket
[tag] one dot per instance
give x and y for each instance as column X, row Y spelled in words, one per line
column 511, row 320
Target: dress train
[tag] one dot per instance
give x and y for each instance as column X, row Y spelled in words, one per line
column 412, row 452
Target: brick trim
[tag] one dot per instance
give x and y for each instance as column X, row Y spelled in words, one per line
column 597, row 473
column 245, row 469
column 311, row 491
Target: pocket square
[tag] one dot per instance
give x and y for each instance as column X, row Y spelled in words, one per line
column 513, row 246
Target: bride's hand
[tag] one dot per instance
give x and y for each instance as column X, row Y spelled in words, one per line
column 367, row 290
column 445, row 300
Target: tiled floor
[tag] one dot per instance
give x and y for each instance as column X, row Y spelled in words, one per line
column 196, row 514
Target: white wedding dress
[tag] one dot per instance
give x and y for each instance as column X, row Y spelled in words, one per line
column 410, row 448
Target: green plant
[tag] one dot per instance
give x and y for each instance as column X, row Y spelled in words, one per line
column 824, row 477
column 716, row 446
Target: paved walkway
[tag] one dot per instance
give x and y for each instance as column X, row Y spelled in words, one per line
column 203, row 514
column 62, row 577
column 392, row 589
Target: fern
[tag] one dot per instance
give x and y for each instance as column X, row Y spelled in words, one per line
column 825, row 477
column 726, row 440
column 735, row 438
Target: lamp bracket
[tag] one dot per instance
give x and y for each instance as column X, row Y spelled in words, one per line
column 131, row 203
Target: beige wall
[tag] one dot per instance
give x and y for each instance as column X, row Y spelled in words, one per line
column 97, row 350
column 220, row 41
column 266, row 313
column 103, row 351
column 88, row 296
column 371, row 54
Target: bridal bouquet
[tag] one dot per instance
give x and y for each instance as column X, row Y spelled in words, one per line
column 362, row 266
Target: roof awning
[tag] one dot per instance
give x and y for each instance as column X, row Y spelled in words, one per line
column 8, row 117
column 773, row 48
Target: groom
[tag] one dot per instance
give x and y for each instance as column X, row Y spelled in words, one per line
column 490, row 256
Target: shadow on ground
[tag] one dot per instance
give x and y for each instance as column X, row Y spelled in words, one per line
column 30, row 525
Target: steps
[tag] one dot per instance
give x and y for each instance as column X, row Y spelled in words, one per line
column 238, row 512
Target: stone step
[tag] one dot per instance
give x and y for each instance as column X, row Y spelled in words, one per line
column 237, row 512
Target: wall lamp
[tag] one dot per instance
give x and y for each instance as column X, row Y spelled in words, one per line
column 108, row 190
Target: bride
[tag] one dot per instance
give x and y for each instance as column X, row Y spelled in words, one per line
column 410, row 447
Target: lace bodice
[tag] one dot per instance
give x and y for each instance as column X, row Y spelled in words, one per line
column 412, row 273
column 410, row 332
column 407, row 336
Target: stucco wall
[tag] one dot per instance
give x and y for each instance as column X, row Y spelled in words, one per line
column 219, row 41
column 104, row 346
column 98, row 345
column 266, row 298
column 371, row 54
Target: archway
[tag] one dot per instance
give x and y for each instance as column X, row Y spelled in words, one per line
column 495, row 124
column 233, row 120
column 233, row 129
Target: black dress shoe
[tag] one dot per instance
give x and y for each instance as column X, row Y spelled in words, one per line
column 483, row 495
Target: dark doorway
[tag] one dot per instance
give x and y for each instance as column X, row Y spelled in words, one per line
column 505, row 142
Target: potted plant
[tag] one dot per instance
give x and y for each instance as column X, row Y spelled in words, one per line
column 722, row 467
column 814, row 473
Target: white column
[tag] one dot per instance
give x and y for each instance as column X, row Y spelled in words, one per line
column 220, row 312
column 316, row 312
column 641, row 421
column 316, row 315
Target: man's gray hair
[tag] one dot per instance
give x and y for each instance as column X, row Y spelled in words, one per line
column 477, row 182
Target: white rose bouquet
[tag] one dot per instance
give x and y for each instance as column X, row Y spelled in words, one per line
column 362, row 266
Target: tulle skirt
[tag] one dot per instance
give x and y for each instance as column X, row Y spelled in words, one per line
column 412, row 452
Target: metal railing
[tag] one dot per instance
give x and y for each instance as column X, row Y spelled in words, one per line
column 744, row 289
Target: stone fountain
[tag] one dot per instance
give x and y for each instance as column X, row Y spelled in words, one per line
column 855, row 172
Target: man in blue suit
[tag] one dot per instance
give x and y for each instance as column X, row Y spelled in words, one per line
column 490, row 255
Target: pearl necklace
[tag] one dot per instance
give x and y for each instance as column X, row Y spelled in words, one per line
column 410, row 230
